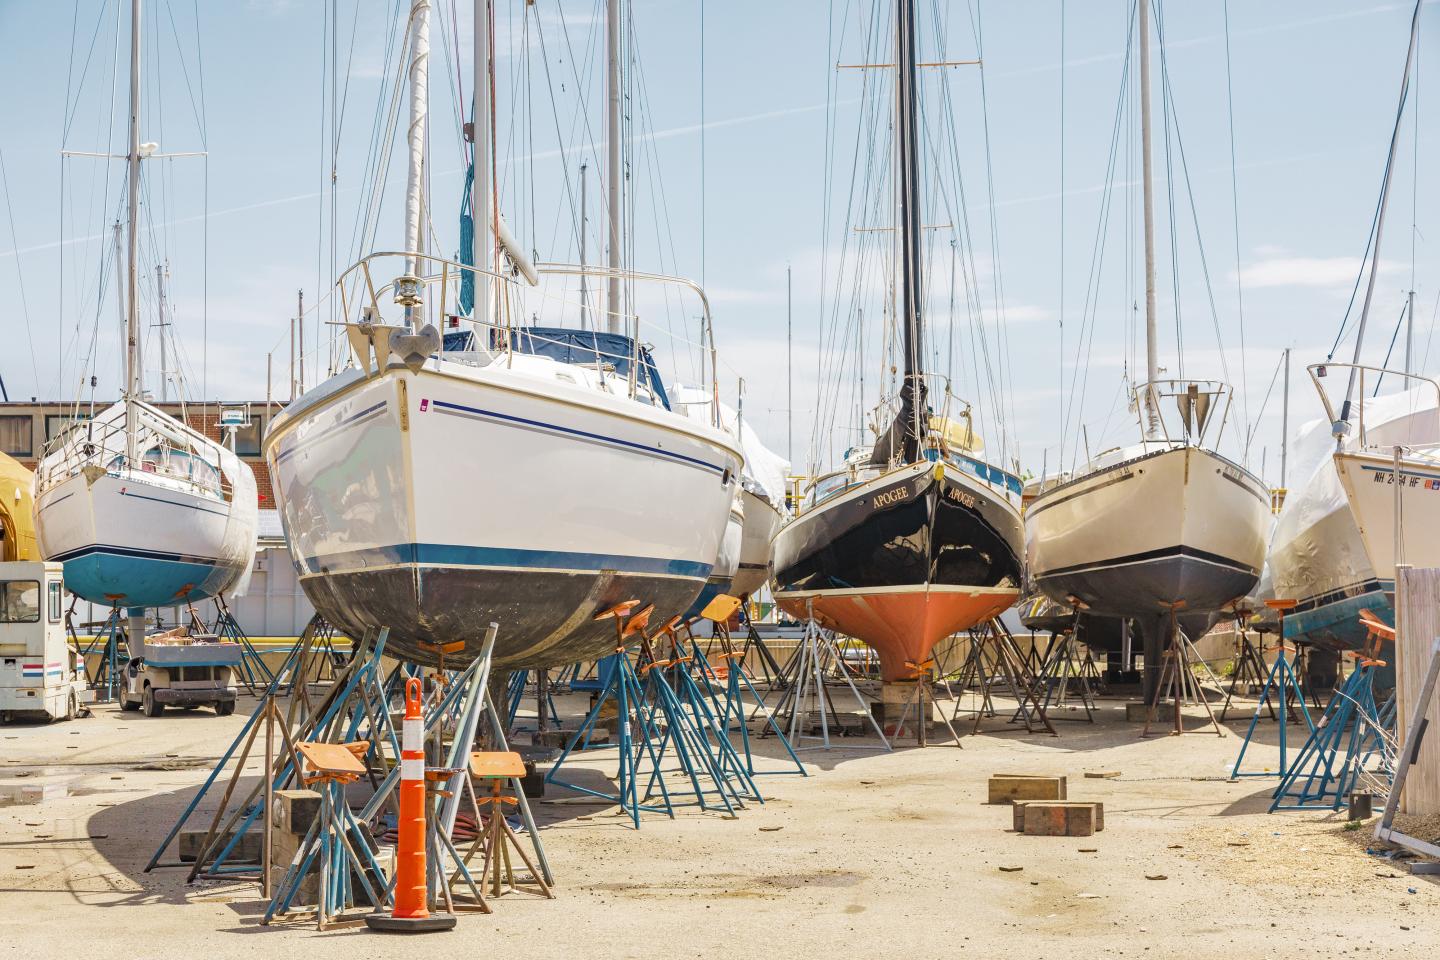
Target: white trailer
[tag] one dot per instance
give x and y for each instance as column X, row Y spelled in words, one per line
column 41, row 675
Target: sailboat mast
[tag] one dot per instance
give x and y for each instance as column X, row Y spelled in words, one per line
column 415, row 139
column 912, row 392
column 134, row 365
column 1342, row 426
column 1152, row 363
column 612, row 161
column 483, row 236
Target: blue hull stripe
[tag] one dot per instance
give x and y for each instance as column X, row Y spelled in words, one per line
column 459, row 555
column 581, row 434
column 354, row 418
column 174, row 503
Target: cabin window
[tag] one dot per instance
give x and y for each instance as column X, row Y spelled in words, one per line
column 53, row 600
column 19, row 601
column 17, row 436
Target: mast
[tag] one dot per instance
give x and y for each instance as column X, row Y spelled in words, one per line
column 1342, row 426
column 483, row 236
column 584, row 227
column 415, row 139
column 1152, row 363
column 612, row 162
column 300, row 328
column 134, row 367
column 912, row 391
column 119, row 237
column 160, row 272
column 1409, row 330
column 1285, row 421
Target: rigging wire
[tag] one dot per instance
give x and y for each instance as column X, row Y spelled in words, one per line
column 1235, row 221
column 19, row 272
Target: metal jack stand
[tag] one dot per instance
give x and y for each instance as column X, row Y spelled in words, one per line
column 1058, row 670
column 1282, row 685
column 1249, row 672
column 1006, row 665
column 625, row 687
column 731, row 709
column 753, row 641
column 254, row 674
column 1179, row 684
column 816, row 657
column 919, row 674
column 106, row 678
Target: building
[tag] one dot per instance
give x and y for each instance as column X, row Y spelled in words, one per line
column 273, row 605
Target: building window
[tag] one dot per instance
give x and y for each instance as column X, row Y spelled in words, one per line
column 17, row 436
column 56, row 425
column 247, row 438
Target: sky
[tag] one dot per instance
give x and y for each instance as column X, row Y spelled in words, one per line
column 731, row 184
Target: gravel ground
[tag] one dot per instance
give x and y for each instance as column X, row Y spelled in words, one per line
column 872, row 854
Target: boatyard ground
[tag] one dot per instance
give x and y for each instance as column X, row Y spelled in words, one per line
column 873, row 855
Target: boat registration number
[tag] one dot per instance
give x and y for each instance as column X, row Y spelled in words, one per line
column 891, row 497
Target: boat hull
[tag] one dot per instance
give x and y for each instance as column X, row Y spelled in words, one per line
column 438, row 502
column 902, row 561
column 1180, row 530
column 129, row 543
column 727, row 564
column 1369, row 483
column 762, row 521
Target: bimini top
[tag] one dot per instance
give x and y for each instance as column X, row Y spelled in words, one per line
column 581, row 347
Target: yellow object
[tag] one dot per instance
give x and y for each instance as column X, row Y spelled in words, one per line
column 958, row 434
column 17, row 512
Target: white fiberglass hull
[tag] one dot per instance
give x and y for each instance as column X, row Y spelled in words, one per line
column 762, row 522
column 1180, row 529
column 434, row 503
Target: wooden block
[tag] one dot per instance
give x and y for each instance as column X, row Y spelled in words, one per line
column 1019, row 814
column 1047, row 819
column 295, row 810
column 246, row 851
column 1007, row 788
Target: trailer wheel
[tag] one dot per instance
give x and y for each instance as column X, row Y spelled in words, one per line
column 149, row 704
column 223, row 708
column 72, row 707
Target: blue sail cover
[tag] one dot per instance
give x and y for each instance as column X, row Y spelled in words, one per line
column 581, row 347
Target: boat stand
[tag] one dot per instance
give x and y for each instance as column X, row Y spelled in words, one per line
column 545, row 708
column 1249, row 672
column 623, row 685
column 1179, row 684
column 764, row 656
column 253, row 672
column 105, row 680
column 1058, row 671
column 732, row 706
column 1005, row 664
column 338, row 717
column 921, row 701
column 1339, row 749
column 815, row 658
column 1282, row 685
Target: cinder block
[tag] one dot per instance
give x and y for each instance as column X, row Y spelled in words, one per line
column 1007, row 788
column 1047, row 819
column 295, row 810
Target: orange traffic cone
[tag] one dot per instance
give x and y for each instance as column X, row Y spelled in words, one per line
column 410, row 914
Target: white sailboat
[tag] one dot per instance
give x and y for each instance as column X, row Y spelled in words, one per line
column 533, row 478
column 759, row 509
column 1164, row 528
column 1370, row 490
column 143, row 510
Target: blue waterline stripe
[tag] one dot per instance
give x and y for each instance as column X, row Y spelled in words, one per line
column 134, row 553
column 333, row 428
column 175, row 503
column 584, row 434
column 459, row 555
